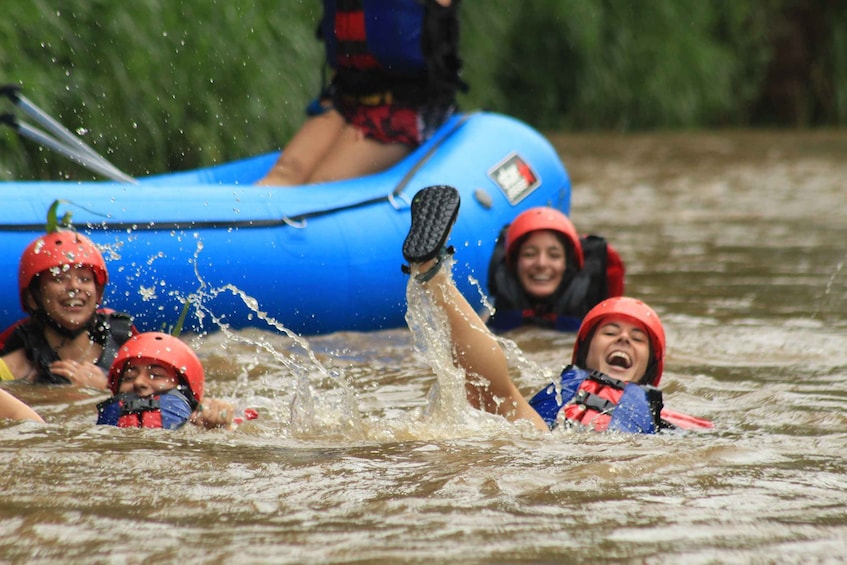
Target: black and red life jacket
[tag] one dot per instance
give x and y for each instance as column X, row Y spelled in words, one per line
column 601, row 277
column 407, row 47
column 109, row 329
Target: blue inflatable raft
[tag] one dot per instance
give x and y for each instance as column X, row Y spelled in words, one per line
column 315, row 258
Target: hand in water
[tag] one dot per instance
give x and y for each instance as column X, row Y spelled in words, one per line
column 80, row 373
column 216, row 413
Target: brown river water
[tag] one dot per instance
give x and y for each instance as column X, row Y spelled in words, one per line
column 736, row 238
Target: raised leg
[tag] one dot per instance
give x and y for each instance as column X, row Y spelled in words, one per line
column 488, row 384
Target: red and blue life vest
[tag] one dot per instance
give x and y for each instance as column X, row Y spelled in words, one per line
column 374, row 34
column 596, row 401
column 169, row 410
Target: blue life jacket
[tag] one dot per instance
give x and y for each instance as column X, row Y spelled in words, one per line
column 593, row 399
column 391, row 33
column 169, row 410
column 407, row 47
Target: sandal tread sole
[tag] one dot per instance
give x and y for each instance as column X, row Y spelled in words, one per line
column 434, row 211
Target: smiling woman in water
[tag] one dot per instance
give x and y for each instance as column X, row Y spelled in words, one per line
column 67, row 338
column 542, row 273
column 617, row 360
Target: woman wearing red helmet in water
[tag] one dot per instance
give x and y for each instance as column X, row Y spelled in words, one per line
column 543, row 274
column 617, row 361
column 66, row 338
column 157, row 381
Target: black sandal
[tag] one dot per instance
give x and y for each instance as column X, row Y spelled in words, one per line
column 434, row 211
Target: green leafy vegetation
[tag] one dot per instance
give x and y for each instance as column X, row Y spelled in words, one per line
column 161, row 86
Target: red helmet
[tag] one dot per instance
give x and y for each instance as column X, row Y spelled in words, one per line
column 167, row 350
column 543, row 218
column 634, row 310
column 58, row 249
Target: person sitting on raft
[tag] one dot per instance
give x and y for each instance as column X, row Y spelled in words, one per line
column 157, row 381
column 66, row 339
column 617, row 361
column 543, row 274
column 396, row 68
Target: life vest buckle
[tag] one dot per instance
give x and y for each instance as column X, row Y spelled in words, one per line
column 376, row 99
column 139, row 405
column 606, row 380
column 588, row 401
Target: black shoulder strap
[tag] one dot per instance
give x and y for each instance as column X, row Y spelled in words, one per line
column 14, row 339
column 30, row 337
column 111, row 330
column 589, row 287
column 595, row 251
column 606, row 380
column 654, row 398
column 440, row 47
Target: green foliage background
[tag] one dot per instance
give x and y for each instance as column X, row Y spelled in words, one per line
column 169, row 85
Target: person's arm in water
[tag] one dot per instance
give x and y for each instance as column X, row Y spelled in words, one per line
column 213, row 413
column 12, row 408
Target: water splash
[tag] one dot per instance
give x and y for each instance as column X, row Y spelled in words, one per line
column 448, row 412
column 431, row 335
column 322, row 401
column 829, row 301
column 516, row 357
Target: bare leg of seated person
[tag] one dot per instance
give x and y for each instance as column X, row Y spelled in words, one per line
column 353, row 155
column 306, row 150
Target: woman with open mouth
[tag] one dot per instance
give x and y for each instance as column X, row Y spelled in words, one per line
column 67, row 338
column 617, row 361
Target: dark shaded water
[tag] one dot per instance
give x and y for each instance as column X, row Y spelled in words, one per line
column 737, row 239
